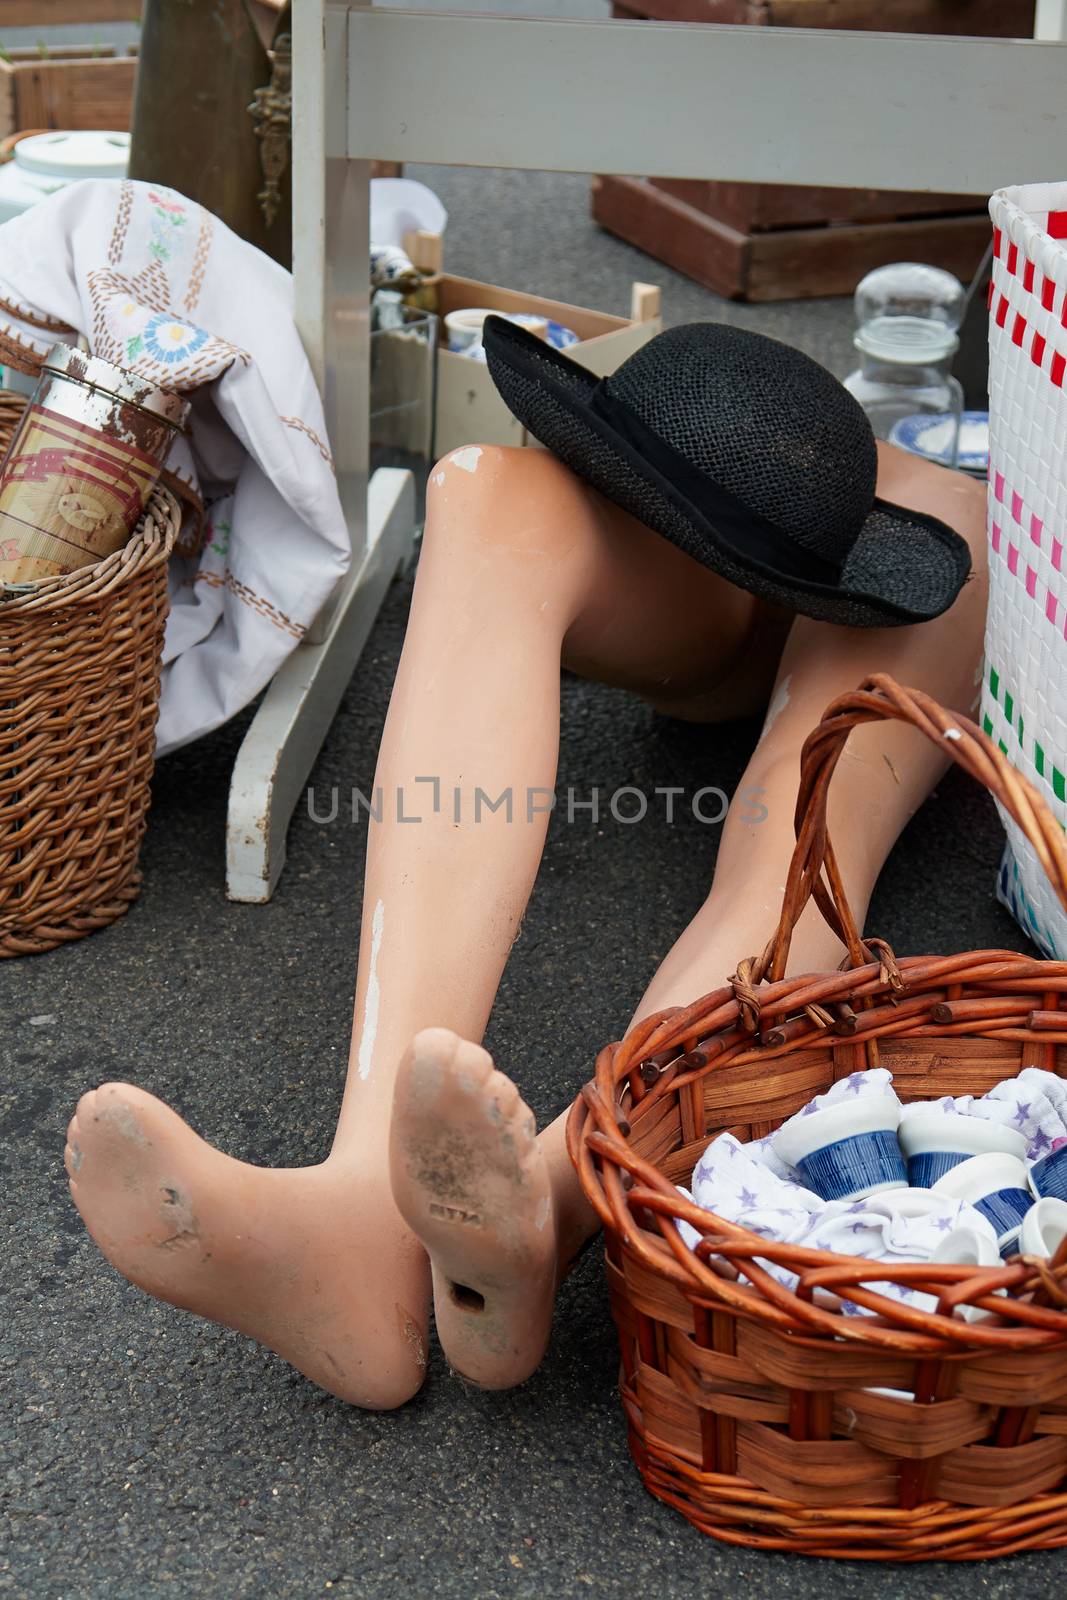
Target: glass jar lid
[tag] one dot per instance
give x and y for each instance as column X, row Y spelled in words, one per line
column 908, row 312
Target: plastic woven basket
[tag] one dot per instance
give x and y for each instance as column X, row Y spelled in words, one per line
column 79, row 695
column 1024, row 700
column 759, row 1411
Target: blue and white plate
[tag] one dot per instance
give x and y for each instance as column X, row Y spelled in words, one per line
column 556, row 334
column 930, row 436
column 559, row 337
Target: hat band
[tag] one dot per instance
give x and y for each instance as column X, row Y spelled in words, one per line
column 745, row 534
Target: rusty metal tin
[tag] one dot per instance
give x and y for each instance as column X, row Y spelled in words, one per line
column 81, row 465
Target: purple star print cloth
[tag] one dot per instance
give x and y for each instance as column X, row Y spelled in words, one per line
column 1033, row 1104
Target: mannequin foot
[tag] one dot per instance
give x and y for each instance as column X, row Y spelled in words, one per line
column 471, row 1183
column 314, row 1262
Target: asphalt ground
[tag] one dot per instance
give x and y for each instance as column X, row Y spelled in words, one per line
column 145, row 1453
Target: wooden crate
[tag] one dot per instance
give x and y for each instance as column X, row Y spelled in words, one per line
column 780, row 263
column 780, row 241
column 468, row 408
column 68, row 88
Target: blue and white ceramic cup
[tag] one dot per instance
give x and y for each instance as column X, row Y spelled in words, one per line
column 995, row 1184
column 1049, row 1175
column 846, row 1150
column 935, row 1141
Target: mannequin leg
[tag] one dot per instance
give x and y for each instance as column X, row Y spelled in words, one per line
column 504, row 1231
column 323, row 1264
column 318, row 1263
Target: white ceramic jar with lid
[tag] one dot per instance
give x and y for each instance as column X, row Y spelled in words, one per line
column 45, row 162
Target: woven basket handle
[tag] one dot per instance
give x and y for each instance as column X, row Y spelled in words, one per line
column 813, row 871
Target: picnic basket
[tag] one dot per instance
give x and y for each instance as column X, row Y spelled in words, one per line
column 760, row 1412
column 79, row 692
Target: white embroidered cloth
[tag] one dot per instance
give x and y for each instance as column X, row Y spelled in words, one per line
column 158, row 285
column 750, row 1185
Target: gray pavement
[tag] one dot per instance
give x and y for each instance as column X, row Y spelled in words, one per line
column 143, row 1453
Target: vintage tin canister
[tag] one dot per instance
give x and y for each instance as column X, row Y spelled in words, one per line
column 81, row 465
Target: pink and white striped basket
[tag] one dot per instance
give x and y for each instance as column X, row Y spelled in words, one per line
column 1024, row 695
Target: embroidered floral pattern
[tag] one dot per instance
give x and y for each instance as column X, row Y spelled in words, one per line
column 134, row 325
column 167, row 218
column 170, row 341
column 218, row 536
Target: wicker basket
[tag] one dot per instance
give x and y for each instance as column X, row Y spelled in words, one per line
column 755, row 1409
column 79, row 693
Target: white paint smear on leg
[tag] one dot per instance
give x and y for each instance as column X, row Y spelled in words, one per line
column 439, row 477
column 467, row 459
column 541, row 1214
column 777, row 706
column 372, row 1003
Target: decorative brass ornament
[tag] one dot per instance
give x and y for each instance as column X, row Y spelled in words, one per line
column 271, row 112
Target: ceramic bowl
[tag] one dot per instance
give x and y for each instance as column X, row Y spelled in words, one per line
column 995, row 1184
column 846, row 1150
column 936, row 1141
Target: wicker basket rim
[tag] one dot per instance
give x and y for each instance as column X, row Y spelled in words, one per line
column 1015, row 221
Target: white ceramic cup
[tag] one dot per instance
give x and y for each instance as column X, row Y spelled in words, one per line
column 463, row 328
column 967, row 1247
column 1044, row 1227
column 995, row 1184
column 936, row 1141
column 846, row 1150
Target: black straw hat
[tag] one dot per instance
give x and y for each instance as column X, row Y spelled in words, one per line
column 750, row 457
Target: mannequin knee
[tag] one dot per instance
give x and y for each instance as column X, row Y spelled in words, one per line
column 505, row 499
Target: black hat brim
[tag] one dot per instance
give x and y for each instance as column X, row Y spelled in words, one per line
column 904, row 567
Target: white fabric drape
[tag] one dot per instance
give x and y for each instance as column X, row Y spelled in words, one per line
column 157, row 285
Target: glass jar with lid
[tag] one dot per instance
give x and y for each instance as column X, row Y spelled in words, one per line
column 907, row 317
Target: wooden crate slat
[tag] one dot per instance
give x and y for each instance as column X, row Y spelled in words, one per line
column 994, row 19
column 759, row 207
column 61, row 13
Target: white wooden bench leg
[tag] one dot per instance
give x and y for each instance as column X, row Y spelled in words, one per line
column 279, row 749
column 331, row 303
